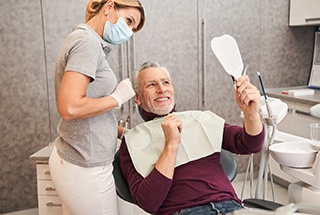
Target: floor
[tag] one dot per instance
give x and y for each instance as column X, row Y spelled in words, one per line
column 281, row 196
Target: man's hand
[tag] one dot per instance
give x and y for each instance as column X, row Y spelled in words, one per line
column 248, row 99
column 247, row 96
column 172, row 127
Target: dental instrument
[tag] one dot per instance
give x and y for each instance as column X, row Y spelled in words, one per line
column 265, row 96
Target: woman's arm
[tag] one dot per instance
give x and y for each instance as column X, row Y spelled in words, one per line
column 72, row 102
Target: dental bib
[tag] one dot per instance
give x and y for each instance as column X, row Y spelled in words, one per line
column 201, row 136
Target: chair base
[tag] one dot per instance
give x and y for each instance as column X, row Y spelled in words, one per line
column 261, row 204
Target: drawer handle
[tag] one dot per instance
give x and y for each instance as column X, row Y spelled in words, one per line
column 47, row 173
column 312, row 19
column 303, row 113
column 51, row 204
column 50, row 189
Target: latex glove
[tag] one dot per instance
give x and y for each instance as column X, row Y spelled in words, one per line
column 123, row 92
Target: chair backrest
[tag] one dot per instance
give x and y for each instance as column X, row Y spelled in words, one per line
column 229, row 164
column 227, row 161
column 122, row 187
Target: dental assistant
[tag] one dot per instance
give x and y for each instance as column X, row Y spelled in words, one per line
column 86, row 94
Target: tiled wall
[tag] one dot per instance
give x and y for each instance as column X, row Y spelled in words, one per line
column 29, row 44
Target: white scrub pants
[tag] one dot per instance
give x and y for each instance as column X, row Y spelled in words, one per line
column 83, row 190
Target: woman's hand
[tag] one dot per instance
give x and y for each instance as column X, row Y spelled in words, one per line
column 123, row 92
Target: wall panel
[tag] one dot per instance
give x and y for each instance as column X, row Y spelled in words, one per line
column 59, row 20
column 24, row 119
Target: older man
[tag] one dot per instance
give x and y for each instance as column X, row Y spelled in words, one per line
column 172, row 161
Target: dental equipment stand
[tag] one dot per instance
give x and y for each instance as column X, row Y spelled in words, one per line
column 272, row 112
column 303, row 198
column 264, row 168
column 305, row 191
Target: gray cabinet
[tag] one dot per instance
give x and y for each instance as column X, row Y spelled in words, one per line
column 298, row 119
column 215, row 19
column 172, row 41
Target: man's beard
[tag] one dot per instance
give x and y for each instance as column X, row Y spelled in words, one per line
column 161, row 111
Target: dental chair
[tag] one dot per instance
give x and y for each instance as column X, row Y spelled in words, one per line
column 227, row 160
column 229, row 166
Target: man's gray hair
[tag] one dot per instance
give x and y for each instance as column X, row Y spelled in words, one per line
column 145, row 65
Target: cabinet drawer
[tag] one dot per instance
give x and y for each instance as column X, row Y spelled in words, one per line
column 46, row 187
column 49, row 205
column 43, row 171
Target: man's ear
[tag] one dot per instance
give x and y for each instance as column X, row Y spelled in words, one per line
column 136, row 99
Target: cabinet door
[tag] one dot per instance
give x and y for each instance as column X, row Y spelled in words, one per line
column 170, row 38
column 304, row 12
column 287, row 123
column 302, row 120
column 216, row 18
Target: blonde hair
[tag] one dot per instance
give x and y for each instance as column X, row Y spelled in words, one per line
column 94, row 7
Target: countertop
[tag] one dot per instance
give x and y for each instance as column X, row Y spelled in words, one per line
column 41, row 156
column 308, row 100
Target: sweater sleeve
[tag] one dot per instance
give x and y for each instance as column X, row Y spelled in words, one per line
column 236, row 140
column 148, row 193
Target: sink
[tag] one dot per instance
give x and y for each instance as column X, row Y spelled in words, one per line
column 297, row 154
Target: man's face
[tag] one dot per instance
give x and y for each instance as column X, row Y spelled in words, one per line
column 155, row 92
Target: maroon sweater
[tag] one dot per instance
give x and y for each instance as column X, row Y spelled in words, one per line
column 195, row 183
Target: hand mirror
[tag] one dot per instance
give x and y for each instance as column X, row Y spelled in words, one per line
column 227, row 51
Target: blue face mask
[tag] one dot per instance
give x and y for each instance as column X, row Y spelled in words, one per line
column 117, row 33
